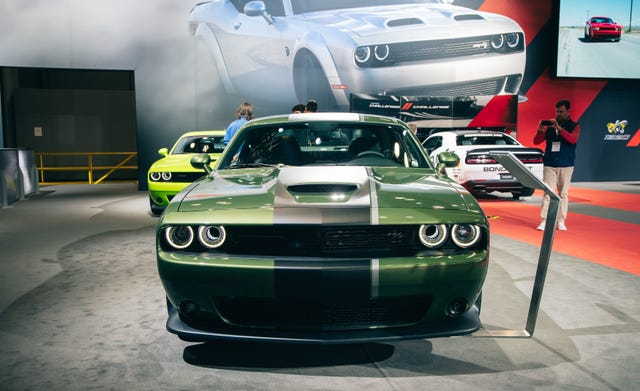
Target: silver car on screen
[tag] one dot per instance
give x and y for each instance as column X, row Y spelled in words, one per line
column 294, row 50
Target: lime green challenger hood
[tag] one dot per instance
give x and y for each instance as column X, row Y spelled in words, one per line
column 325, row 194
column 181, row 162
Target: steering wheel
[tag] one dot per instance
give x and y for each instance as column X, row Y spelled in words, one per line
column 373, row 153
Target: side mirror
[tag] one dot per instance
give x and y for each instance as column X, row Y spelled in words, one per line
column 164, row 152
column 201, row 162
column 257, row 8
column 447, row 159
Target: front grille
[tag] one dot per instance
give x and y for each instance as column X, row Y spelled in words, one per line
column 321, row 241
column 472, row 88
column 443, row 49
column 186, row 176
column 288, row 314
column 367, row 238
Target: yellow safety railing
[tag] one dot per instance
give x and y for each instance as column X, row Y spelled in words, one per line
column 91, row 162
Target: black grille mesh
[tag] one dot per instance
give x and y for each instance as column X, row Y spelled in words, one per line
column 305, row 315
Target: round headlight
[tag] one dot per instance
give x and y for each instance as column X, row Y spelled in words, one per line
column 433, row 235
column 381, row 52
column 465, row 235
column 166, row 176
column 513, row 39
column 362, row 54
column 154, row 176
column 497, row 41
column 212, row 236
column 179, row 237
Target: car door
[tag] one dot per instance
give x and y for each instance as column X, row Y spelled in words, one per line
column 253, row 51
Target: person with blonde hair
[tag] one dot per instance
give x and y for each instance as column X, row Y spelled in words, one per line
column 244, row 113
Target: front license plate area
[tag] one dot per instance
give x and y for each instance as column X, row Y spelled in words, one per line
column 335, row 280
column 507, row 177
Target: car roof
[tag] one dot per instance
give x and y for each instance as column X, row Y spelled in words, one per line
column 468, row 132
column 219, row 132
column 325, row 117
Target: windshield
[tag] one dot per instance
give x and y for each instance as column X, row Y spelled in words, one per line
column 602, row 20
column 199, row 144
column 303, row 6
column 325, row 143
column 485, row 139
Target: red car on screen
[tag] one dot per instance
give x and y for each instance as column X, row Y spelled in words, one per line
column 602, row 27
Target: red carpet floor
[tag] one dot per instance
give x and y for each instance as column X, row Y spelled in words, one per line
column 607, row 242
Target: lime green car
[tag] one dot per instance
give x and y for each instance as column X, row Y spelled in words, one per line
column 323, row 228
column 173, row 172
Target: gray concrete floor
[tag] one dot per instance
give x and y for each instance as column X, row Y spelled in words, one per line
column 81, row 307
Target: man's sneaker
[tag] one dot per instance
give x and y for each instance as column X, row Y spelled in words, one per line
column 541, row 227
column 562, row 227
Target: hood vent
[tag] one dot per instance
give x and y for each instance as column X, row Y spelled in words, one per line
column 320, row 188
column 404, row 22
column 465, row 17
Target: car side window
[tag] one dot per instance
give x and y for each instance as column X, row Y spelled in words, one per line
column 239, row 4
column 275, row 7
column 433, row 143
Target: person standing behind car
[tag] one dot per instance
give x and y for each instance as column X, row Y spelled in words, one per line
column 244, row 113
column 561, row 135
column 312, row 106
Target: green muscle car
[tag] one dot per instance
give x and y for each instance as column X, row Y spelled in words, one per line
column 323, row 228
column 170, row 174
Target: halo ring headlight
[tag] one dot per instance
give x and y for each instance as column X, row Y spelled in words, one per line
column 513, row 39
column 155, row 176
column 166, row 176
column 381, row 52
column 212, row 236
column 465, row 235
column 362, row 54
column 497, row 41
column 433, row 235
column 179, row 236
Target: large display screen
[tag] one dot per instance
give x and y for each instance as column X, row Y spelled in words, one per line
column 598, row 39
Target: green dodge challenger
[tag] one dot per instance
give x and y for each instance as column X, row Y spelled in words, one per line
column 323, row 228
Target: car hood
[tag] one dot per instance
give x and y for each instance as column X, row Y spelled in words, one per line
column 374, row 20
column 181, row 162
column 336, row 193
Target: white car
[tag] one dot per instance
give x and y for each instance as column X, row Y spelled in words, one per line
column 478, row 172
column 296, row 50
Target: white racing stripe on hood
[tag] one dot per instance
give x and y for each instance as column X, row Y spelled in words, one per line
column 355, row 210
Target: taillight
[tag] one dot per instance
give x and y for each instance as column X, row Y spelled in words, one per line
column 531, row 159
column 480, row 159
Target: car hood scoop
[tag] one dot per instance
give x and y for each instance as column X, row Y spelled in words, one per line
column 376, row 20
column 404, row 22
column 324, row 193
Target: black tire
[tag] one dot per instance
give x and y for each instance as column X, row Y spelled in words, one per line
column 525, row 192
column 156, row 210
column 311, row 82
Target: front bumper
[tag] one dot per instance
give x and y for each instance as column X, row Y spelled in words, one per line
column 321, row 300
column 483, row 186
column 161, row 193
column 465, row 324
